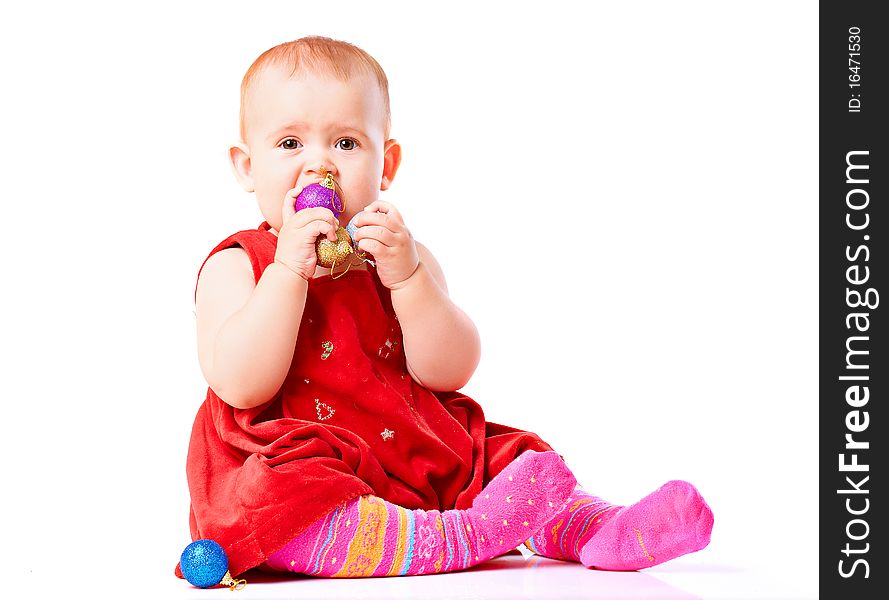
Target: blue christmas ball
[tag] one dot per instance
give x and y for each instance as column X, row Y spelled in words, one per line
column 203, row 563
column 352, row 229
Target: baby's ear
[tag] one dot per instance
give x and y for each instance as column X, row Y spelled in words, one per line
column 391, row 161
column 239, row 154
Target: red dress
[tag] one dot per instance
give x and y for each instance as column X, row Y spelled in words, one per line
column 348, row 420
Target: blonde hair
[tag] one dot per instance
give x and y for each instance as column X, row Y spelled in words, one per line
column 318, row 54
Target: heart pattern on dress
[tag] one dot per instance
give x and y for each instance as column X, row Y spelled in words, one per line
column 320, row 407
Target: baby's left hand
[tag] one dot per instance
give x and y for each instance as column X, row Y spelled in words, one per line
column 382, row 233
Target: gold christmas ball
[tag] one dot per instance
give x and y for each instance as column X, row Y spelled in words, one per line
column 331, row 253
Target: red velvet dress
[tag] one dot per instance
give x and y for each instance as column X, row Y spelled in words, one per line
column 349, row 420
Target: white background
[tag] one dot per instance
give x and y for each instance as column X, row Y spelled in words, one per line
column 623, row 197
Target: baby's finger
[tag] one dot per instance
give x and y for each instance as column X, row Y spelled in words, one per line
column 331, row 222
column 385, row 208
column 391, row 221
column 289, row 207
column 376, row 232
column 372, row 246
column 371, row 218
column 327, row 229
column 316, row 227
column 316, row 213
column 312, row 218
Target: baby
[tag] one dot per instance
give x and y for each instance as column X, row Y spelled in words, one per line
column 332, row 441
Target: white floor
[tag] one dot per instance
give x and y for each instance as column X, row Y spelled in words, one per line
column 668, row 331
column 695, row 577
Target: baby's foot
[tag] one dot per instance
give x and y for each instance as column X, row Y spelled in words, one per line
column 517, row 502
column 671, row 521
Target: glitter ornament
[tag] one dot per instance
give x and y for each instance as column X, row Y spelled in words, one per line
column 352, row 229
column 334, row 253
column 321, row 194
column 204, row 564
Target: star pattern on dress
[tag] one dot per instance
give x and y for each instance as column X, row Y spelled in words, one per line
column 387, row 434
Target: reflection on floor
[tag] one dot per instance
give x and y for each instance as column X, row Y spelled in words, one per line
column 509, row 577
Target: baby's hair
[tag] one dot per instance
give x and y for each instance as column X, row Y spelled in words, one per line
column 319, row 55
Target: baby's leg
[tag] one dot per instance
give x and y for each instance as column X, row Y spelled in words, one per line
column 564, row 535
column 369, row 537
column 671, row 521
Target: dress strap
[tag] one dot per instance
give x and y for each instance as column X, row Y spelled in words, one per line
column 259, row 244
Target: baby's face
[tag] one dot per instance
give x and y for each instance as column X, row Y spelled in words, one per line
column 299, row 127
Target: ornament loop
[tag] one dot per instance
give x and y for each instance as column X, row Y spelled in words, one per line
column 336, row 192
column 341, row 273
column 232, row 583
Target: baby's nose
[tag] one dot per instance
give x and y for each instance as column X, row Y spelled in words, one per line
column 322, row 168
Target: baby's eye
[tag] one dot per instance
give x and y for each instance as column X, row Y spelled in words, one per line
column 346, row 144
column 290, row 144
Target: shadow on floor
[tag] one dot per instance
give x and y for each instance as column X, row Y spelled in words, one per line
column 513, row 576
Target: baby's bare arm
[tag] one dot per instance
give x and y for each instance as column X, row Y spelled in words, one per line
column 247, row 331
column 441, row 343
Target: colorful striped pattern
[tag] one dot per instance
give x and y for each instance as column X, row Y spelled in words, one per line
column 566, row 533
column 369, row 537
column 365, row 551
column 397, row 538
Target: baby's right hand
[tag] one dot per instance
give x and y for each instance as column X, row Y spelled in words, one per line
column 300, row 230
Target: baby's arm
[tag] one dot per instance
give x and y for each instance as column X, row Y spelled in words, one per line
column 441, row 343
column 247, row 331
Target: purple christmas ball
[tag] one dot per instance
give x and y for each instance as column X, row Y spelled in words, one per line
column 318, row 194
